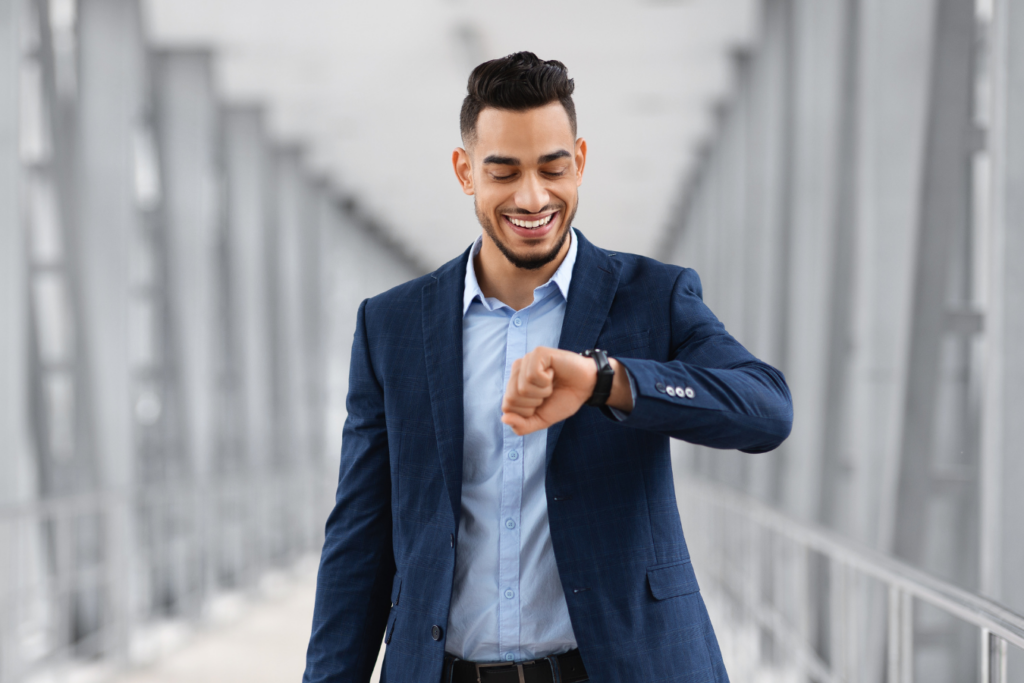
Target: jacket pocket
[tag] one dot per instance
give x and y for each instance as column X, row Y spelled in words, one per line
column 632, row 345
column 672, row 580
column 391, row 626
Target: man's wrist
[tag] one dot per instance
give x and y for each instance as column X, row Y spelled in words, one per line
column 621, row 397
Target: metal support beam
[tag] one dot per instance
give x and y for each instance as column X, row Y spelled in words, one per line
column 246, row 168
column 836, row 507
column 187, row 131
column 941, row 281
column 818, row 44
column 17, row 482
column 111, row 104
column 290, row 458
column 936, row 521
column 1003, row 430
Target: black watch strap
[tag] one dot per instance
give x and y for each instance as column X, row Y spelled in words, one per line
column 605, row 376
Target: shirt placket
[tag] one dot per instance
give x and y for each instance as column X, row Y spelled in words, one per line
column 511, row 507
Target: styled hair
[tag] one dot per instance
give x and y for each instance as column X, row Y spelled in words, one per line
column 517, row 82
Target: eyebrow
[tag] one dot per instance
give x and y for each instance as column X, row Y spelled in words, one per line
column 513, row 161
column 560, row 154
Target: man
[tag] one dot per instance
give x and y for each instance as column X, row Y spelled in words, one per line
column 505, row 506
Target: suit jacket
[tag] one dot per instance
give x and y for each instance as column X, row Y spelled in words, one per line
column 389, row 555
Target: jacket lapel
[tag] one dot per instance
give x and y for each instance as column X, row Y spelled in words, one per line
column 442, row 338
column 595, row 279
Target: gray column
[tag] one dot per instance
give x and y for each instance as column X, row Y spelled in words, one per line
column 17, row 482
column 246, row 166
column 110, row 107
column 836, row 505
column 896, row 39
column 187, row 119
column 936, row 436
column 290, row 416
column 186, row 129
column 1002, row 464
column 818, row 33
column 770, row 196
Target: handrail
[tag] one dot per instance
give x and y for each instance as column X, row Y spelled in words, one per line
column 972, row 608
column 998, row 624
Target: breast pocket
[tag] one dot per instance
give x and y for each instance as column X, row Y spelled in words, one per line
column 632, row 345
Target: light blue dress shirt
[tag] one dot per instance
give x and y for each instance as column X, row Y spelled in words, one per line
column 507, row 599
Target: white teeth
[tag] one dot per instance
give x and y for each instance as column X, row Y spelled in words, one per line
column 530, row 224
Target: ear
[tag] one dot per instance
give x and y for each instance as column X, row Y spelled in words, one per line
column 581, row 159
column 463, row 169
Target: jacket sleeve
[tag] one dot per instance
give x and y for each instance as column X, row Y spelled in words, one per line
column 728, row 398
column 357, row 564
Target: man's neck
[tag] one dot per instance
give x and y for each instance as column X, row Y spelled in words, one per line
column 505, row 282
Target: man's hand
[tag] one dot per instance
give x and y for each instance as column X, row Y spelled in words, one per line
column 549, row 385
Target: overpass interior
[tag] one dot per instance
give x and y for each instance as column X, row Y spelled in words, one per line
column 195, row 197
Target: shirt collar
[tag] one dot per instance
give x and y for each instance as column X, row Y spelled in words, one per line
column 562, row 277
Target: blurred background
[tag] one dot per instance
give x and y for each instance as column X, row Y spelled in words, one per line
column 195, row 195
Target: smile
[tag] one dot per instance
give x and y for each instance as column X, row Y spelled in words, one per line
column 530, row 224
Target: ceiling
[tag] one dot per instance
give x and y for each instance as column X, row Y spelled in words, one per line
column 373, row 89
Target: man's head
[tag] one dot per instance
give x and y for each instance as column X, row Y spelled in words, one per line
column 521, row 159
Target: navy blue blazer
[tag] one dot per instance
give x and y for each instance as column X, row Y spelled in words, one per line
column 389, row 555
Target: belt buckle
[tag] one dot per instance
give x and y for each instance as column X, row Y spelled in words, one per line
column 494, row 665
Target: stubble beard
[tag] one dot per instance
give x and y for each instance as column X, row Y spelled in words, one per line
column 526, row 262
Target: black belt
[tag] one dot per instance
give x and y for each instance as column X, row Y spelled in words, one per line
column 567, row 668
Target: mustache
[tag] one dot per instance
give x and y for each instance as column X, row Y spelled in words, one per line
column 516, row 211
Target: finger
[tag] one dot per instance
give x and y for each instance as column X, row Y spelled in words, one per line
column 536, row 378
column 521, row 407
column 522, row 411
column 513, row 400
column 522, row 425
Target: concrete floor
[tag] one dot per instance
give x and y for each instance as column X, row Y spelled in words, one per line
column 256, row 641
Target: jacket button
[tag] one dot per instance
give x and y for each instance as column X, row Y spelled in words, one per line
column 435, row 632
column 660, row 386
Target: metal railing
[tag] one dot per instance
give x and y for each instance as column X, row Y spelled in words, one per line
column 839, row 630
column 87, row 581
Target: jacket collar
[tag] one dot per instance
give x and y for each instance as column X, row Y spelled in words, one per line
column 595, row 279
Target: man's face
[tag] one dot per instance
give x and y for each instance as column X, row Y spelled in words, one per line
column 524, row 170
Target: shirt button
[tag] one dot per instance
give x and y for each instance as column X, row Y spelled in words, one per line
column 660, row 386
column 435, row 632
column 517, row 322
column 509, row 593
column 690, row 393
column 510, row 523
column 513, row 455
column 509, row 656
column 671, row 391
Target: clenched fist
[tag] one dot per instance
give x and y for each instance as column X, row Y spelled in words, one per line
column 549, row 385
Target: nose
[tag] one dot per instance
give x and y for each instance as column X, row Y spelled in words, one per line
column 531, row 194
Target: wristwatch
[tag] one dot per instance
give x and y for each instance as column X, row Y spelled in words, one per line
column 605, row 375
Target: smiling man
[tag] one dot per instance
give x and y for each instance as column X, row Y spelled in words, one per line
column 505, row 506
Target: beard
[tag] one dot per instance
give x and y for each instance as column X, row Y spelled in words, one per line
column 527, row 262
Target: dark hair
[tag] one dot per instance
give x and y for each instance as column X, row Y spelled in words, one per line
column 517, row 82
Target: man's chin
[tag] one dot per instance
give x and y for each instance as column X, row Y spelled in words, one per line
column 534, row 256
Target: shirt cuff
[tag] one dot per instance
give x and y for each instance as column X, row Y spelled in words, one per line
column 616, row 413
